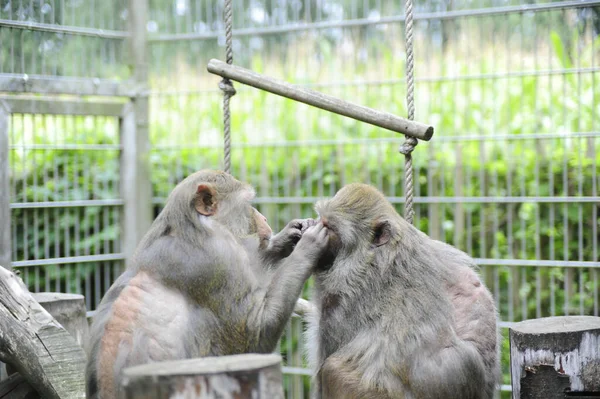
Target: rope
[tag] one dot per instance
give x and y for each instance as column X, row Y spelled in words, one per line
column 226, row 85
column 410, row 142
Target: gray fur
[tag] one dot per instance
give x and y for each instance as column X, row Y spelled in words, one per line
column 394, row 314
column 214, row 286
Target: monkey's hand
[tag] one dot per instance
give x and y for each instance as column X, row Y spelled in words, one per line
column 314, row 242
column 282, row 244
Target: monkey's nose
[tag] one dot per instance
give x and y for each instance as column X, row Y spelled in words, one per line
column 261, row 215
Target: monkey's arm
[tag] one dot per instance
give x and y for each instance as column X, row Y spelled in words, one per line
column 284, row 289
column 281, row 296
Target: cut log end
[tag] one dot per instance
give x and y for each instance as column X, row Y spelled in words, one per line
column 555, row 356
column 428, row 133
column 241, row 376
column 558, row 324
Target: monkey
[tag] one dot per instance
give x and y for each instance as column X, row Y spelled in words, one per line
column 208, row 279
column 395, row 313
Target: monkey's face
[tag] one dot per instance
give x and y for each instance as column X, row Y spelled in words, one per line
column 358, row 220
column 246, row 221
column 336, row 235
column 228, row 202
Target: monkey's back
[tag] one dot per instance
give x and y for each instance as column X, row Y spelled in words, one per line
column 475, row 316
column 139, row 321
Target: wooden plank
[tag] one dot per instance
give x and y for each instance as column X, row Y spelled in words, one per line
column 23, row 83
column 321, row 100
column 63, row 29
column 58, row 107
column 36, row 345
column 68, row 259
column 5, row 228
column 245, row 376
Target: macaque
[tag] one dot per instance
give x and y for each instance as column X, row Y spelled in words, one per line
column 397, row 314
column 208, row 279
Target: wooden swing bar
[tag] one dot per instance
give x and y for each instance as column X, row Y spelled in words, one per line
column 316, row 99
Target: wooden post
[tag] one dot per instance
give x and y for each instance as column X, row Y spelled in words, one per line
column 555, row 357
column 246, row 376
column 68, row 310
column 136, row 187
column 5, row 244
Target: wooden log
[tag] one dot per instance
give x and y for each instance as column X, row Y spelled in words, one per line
column 555, row 357
column 329, row 103
column 246, row 376
column 17, row 387
column 36, row 345
column 69, row 310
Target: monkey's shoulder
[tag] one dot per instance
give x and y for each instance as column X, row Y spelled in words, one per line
column 449, row 254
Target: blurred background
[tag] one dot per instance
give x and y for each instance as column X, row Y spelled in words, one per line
column 107, row 101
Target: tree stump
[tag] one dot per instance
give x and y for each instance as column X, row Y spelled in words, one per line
column 555, row 357
column 69, row 310
column 251, row 376
column 37, row 346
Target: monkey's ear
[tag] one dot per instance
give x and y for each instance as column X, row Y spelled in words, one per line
column 205, row 201
column 382, row 233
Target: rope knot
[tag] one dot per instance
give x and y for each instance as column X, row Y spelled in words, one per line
column 408, row 146
column 227, row 87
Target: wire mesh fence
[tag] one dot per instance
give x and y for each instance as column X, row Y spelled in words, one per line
column 65, row 202
column 511, row 175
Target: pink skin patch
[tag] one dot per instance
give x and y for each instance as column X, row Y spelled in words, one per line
column 470, row 300
column 118, row 329
column 145, row 308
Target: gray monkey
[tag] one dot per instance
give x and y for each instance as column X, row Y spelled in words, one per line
column 395, row 313
column 208, row 279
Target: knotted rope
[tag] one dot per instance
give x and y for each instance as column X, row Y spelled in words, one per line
column 226, row 85
column 410, row 142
